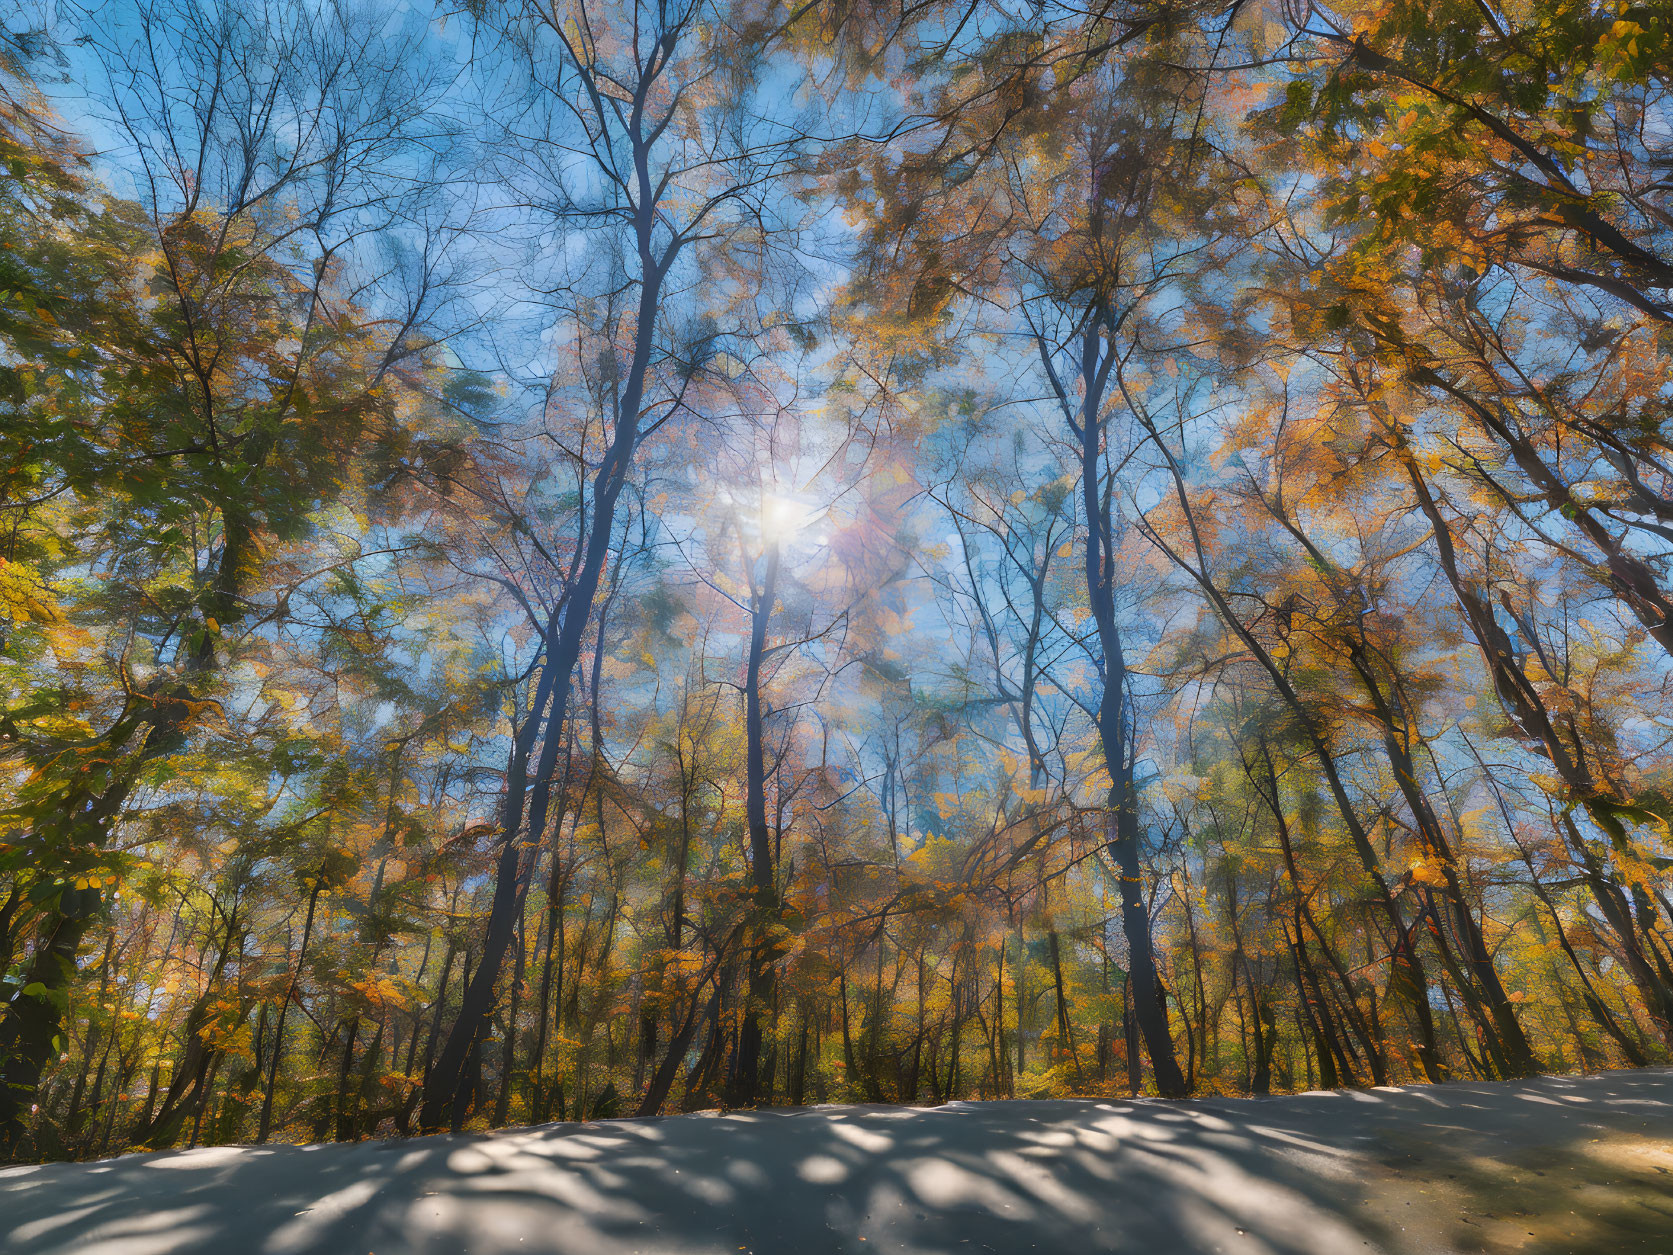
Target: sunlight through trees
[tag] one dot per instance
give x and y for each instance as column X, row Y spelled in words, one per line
column 565, row 559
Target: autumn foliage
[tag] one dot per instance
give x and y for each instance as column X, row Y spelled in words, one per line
column 593, row 559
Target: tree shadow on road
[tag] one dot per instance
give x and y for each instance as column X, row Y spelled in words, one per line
column 1551, row 1165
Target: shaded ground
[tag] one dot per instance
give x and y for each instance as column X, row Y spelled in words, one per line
column 1559, row 1164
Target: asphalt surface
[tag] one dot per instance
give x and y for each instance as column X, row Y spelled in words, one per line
column 1572, row 1164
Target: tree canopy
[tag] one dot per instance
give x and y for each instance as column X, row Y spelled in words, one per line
column 568, row 559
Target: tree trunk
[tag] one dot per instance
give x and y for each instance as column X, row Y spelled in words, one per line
column 763, row 881
column 266, row 1120
column 562, row 641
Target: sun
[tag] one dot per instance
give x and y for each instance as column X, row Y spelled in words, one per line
column 782, row 516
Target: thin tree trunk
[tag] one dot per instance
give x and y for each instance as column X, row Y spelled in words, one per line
column 266, row 1120
column 763, row 881
column 1408, row 977
column 1065, row 1033
column 562, row 642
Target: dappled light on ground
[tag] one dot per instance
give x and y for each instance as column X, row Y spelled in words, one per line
column 1582, row 1164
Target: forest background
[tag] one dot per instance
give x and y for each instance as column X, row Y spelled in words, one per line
column 573, row 558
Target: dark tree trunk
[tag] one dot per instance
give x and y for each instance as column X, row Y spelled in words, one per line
column 562, row 642
column 1531, row 719
column 508, row 1053
column 1130, row 1034
column 278, row 1047
column 1509, row 1041
column 1065, row 1031
column 763, row 880
column 1407, row 979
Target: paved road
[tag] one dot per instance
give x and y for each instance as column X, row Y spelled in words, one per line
column 1559, row 1164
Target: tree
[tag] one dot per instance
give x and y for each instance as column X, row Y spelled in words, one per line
column 674, row 172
